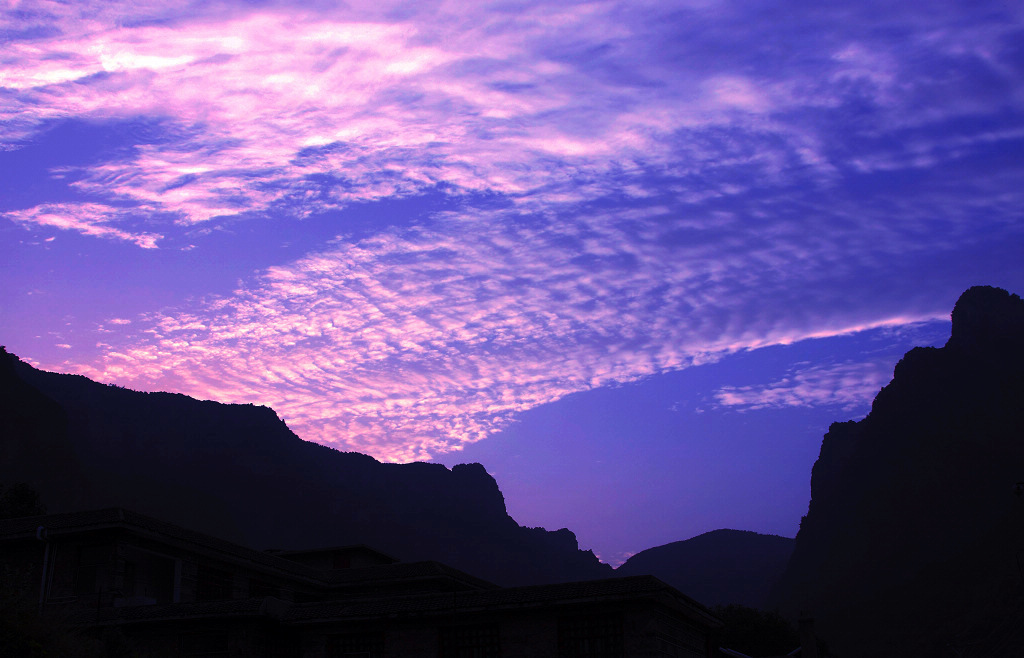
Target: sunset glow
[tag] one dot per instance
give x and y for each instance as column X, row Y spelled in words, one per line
column 405, row 225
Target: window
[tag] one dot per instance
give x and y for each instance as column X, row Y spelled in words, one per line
column 355, row 645
column 259, row 588
column 591, row 636
column 128, row 579
column 477, row 641
column 208, row 644
column 148, row 578
column 213, row 584
column 90, row 574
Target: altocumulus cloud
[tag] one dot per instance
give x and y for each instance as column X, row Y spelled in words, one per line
column 847, row 385
column 678, row 181
column 418, row 340
column 260, row 103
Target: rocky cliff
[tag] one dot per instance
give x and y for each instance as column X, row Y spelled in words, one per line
column 913, row 539
column 238, row 472
column 719, row 567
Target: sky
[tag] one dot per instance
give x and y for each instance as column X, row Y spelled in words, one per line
column 634, row 257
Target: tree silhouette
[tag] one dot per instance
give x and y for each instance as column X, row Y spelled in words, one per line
column 19, row 499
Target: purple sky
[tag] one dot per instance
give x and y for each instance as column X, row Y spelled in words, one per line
column 634, row 257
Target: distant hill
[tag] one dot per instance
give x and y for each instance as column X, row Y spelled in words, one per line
column 718, row 567
column 913, row 543
column 238, row 472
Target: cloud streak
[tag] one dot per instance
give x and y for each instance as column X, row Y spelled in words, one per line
column 846, row 385
column 262, row 106
column 635, row 188
column 416, row 341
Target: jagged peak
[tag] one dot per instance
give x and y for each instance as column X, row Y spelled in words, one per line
column 911, row 506
column 987, row 317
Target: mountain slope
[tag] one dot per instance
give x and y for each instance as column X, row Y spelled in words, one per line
column 911, row 541
column 718, row 567
column 238, row 472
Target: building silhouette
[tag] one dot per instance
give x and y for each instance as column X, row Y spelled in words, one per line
column 173, row 591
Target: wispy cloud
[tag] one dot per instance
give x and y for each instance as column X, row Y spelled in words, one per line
column 419, row 340
column 667, row 183
column 317, row 108
column 93, row 219
column 846, row 385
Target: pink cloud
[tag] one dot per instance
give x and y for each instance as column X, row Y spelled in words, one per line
column 408, row 343
column 367, row 346
column 87, row 218
column 254, row 89
column 849, row 385
column 261, row 95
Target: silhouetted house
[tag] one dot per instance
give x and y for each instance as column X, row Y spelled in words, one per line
column 173, row 590
column 810, row 645
column 340, row 557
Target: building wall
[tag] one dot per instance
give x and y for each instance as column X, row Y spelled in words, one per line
column 221, row 638
column 21, row 570
column 595, row 631
column 117, row 568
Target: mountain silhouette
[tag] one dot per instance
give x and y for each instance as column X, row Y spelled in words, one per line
column 912, row 543
column 238, row 472
column 717, row 568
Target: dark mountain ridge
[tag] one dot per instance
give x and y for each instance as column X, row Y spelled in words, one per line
column 719, row 567
column 238, row 472
column 913, row 535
